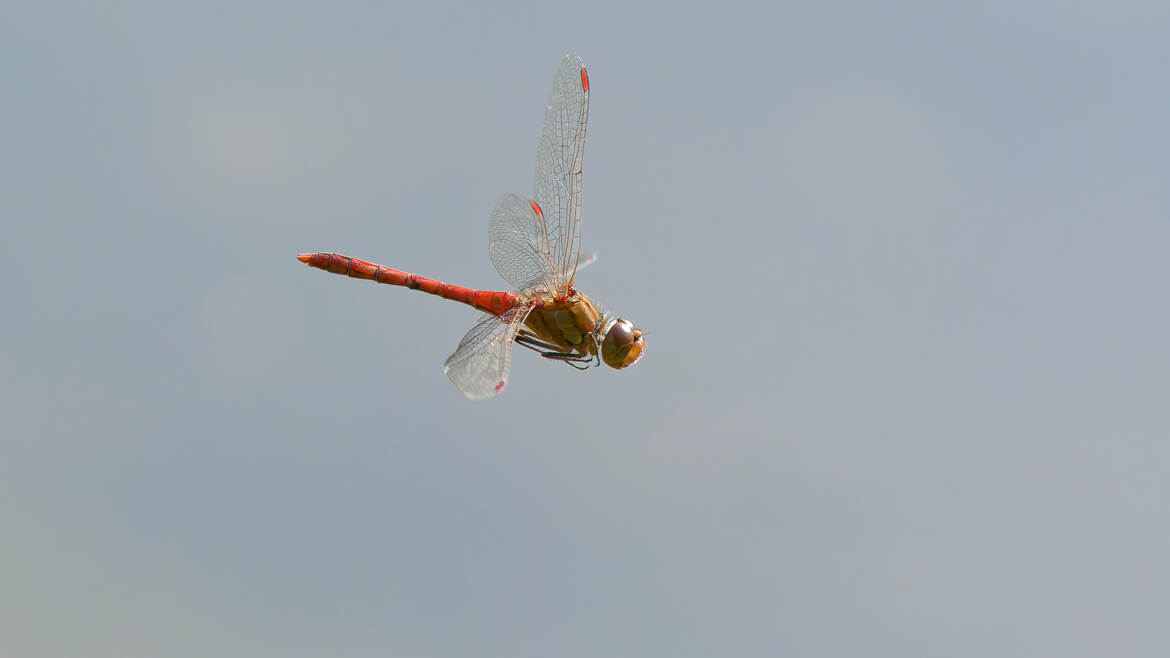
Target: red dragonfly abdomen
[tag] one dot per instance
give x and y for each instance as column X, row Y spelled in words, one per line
column 495, row 302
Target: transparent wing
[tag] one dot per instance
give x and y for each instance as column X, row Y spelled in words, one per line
column 558, row 165
column 479, row 366
column 586, row 261
column 518, row 245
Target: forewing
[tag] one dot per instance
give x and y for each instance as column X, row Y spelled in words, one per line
column 558, row 164
column 479, row 366
column 586, row 261
column 518, row 245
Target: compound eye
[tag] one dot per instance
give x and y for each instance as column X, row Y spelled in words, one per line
column 622, row 345
column 622, row 332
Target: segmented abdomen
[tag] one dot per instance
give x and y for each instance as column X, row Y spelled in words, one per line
column 495, row 302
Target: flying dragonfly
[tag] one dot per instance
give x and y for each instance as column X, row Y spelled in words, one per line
column 535, row 244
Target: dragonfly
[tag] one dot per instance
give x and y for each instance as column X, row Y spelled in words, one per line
column 535, row 245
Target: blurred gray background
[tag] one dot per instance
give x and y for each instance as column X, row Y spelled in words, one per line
column 902, row 268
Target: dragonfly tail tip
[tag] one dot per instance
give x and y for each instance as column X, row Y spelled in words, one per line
column 304, row 258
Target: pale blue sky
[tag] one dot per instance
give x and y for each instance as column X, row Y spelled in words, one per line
column 902, row 267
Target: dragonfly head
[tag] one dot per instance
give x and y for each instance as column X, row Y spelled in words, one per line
column 622, row 344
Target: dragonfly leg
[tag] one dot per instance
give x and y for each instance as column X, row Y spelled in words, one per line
column 530, row 341
column 573, row 362
column 550, row 351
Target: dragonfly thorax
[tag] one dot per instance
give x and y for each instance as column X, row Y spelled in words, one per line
column 570, row 322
